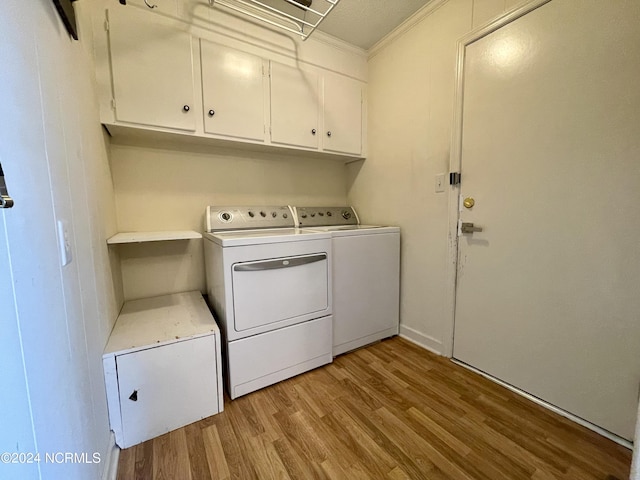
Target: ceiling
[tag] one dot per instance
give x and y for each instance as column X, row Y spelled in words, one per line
column 365, row 22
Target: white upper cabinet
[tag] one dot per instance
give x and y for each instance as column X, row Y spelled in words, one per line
column 233, row 92
column 152, row 71
column 158, row 71
column 294, row 106
column 342, row 126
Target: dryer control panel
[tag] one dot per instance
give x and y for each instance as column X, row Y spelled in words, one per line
column 243, row 218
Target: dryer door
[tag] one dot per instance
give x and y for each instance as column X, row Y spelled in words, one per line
column 280, row 291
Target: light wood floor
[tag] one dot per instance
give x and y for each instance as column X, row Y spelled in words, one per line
column 388, row 411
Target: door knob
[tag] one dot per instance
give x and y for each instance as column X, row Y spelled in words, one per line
column 467, row 227
column 468, row 202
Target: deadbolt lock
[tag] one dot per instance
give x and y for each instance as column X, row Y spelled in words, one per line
column 469, row 202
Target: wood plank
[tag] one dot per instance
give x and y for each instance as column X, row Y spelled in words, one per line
column 216, row 459
column 171, row 456
column 197, row 453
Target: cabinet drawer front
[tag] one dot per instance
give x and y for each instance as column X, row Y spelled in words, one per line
column 265, row 359
column 164, row 388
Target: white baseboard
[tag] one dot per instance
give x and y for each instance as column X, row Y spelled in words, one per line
column 420, row 339
column 110, row 471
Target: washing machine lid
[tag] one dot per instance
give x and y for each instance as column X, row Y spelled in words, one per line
column 346, row 230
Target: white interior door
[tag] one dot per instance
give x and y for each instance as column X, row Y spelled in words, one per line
column 547, row 294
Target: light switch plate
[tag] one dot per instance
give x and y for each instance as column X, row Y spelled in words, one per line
column 440, row 184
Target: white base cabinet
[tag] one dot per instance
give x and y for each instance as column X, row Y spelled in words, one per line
column 162, row 367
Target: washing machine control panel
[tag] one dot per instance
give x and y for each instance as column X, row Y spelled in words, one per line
column 326, row 216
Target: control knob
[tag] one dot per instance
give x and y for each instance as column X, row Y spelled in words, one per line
column 304, row 215
column 346, row 214
column 321, row 214
column 226, row 216
column 262, row 214
column 284, row 215
column 251, row 214
column 329, row 214
column 274, row 214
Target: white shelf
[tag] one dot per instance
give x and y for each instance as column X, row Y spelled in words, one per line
column 151, row 322
column 140, row 237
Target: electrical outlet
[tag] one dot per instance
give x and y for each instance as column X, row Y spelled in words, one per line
column 64, row 243
column 440, row 184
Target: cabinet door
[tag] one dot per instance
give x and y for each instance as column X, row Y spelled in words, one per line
column 167, row 387
column 342, row 130
column 152, row 70
column 233, row 92
column 294, row 106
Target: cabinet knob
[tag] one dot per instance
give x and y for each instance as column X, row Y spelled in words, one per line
column 212, row 112
column 329, row 133
column 313, row 131
column 134, row 396
column 186, row 108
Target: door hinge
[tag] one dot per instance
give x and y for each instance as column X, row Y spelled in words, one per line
column 5, row 200
column 454, row 178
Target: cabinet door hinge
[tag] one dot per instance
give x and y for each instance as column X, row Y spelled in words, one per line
column 106, row 25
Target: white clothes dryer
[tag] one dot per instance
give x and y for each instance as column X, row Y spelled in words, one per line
column 269, row 285
column 366, row 275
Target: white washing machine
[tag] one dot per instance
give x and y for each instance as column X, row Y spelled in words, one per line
column 269, row 285
column 366, row 275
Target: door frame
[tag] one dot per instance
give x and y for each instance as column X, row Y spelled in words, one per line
column 455, row 159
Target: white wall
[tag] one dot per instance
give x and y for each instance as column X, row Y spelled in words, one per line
column 168, row 188
column 411, row 93
column 54, row 157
